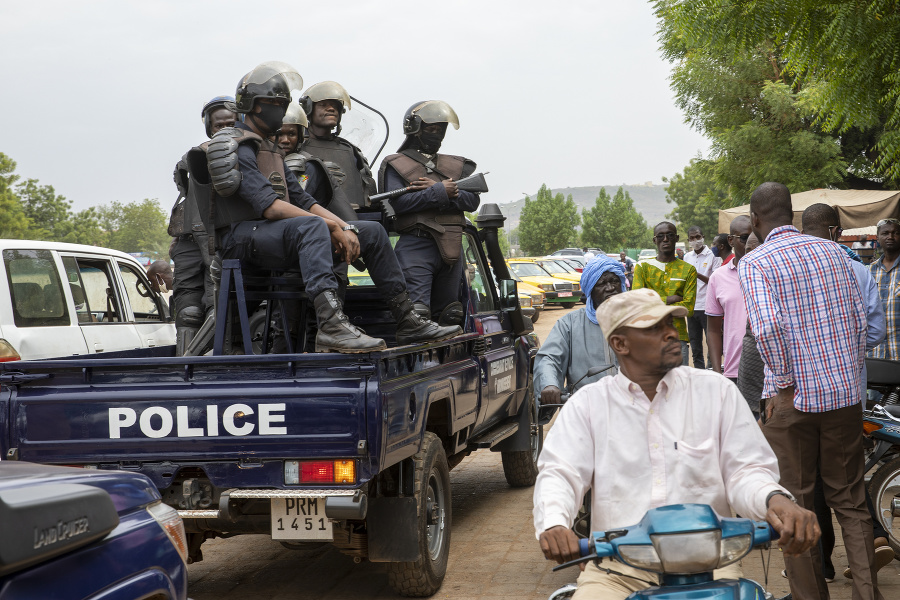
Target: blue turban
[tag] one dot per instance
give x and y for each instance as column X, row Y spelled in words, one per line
column 591, row 275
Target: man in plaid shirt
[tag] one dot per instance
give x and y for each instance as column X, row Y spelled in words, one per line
column 807, row 313
column 887, row 276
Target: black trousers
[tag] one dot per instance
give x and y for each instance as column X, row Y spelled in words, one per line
column 193, row 285
column 304, row 244
column 430, row 280
column 696, row 330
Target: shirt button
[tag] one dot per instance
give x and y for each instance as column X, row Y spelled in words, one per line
column 656, row 445
column 659, row 482
column 651, row 411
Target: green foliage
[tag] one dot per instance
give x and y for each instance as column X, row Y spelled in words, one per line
column 135, row 227
column 836, row 66
column 13, row 222
column 48, row 213
column 29, row 210
column 613, row 223
column 697, row 199
column 547, row 223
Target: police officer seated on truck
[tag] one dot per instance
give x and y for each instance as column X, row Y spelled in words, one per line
column 193, row 288
column 324, row 104
column 264, row 218
column 430, row 217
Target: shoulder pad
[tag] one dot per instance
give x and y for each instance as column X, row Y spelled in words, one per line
column 468, row 167
column 296, row 162
column 222, row 160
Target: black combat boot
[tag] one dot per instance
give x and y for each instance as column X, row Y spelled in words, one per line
column 336, row 334
column 412, row 327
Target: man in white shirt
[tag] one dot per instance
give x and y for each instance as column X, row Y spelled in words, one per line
column 653, row 435
column 705, row 262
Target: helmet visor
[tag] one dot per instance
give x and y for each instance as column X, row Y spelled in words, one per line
column 267, row 70
column 295, row 116
column 436, row 111
column 329, row 90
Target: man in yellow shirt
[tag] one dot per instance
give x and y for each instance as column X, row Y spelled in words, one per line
column 672, row 278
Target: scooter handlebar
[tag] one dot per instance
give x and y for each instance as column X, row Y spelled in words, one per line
column 584, row 544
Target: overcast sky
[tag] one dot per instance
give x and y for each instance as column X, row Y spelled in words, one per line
column 101, row 98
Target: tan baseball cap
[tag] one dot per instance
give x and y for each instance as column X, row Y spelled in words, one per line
column 638, row 308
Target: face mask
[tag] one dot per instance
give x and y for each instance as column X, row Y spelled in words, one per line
column 271, row 116
column 715, row 251
column 430, row 143
column 697, row 244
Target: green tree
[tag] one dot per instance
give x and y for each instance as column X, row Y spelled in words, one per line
column 48, row 213
column 838, row 60
column 697, row 198
column 547, row 223
column 593, row 220
column 135, row 227
column 13, row 222
column 83, row 228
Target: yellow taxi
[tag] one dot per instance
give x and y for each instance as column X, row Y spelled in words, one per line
column 536, row 294
column 556, row 291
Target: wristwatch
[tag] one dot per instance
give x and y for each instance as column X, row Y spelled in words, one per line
column 352, row 228
column 779, row 493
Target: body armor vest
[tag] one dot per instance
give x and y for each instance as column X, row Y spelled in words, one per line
column 343, row 159
column 444, row 226
column 330, row 195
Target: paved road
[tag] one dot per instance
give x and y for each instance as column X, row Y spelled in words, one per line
column 493, row 552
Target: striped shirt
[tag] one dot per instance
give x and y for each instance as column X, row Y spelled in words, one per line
column 809, row 319
column 674, row 278
column 888, row 281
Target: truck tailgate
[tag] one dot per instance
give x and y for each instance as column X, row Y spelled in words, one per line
column 115, row 410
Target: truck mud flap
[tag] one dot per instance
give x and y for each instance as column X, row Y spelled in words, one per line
column 392, row 527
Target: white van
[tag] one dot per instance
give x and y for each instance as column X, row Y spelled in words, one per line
column 60, row 300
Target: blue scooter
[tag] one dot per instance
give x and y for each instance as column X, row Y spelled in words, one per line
column 881, row 424
column 683, row 543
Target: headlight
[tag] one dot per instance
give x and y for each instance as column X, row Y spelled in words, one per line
column 734, row 549
column 537, row 299
column 547, row 287
column 688, row 552
column 525, row 301
column 171, row 523
column 642, row 556
column 576, row 287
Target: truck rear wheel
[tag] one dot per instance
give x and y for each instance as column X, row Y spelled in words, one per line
column 520, row 466
column 432, row 492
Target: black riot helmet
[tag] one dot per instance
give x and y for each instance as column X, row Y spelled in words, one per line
column 226, row 102
column 428, row 111
column 272, row 79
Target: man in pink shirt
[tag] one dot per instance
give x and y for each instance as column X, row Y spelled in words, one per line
column 725, row 310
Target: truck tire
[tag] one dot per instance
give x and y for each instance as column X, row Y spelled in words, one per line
column 520, row 466
column 883, row 487
column 432, row 492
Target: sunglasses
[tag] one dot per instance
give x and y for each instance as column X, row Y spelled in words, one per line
column 743, row 238
column 886, row 221
column 665, row 236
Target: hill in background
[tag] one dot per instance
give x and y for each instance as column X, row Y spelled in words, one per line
column 649, row 200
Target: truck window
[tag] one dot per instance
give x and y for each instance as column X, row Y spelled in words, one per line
column 143, row 301
column 93, row 290
column 37, row 294
column 481, row 296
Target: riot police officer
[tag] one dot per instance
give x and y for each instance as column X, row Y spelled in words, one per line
column 324, row 104
column 265, row 218
column 430, row 217
column 193, row 287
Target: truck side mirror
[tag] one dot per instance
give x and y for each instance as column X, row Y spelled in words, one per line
column 509, row 295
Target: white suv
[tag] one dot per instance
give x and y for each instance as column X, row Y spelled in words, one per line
column 61, row 300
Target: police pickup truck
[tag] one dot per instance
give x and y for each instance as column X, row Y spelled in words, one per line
column 351, row 449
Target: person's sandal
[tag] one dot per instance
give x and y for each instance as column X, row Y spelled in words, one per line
column 883, row 557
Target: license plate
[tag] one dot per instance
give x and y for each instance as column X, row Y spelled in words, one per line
column 565, row 294
column 300, row 519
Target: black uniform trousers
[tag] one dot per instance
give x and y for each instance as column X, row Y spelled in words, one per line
column 304, row 243
column 192, row 285
column 430, row 280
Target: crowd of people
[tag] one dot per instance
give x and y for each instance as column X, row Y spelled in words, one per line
column 277, row 187
column 767, row 425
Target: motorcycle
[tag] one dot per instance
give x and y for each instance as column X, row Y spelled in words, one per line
column 881, row 424
column 683, row 544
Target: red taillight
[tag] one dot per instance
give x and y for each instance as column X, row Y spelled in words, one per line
column 7, row 352
column 317, row 471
